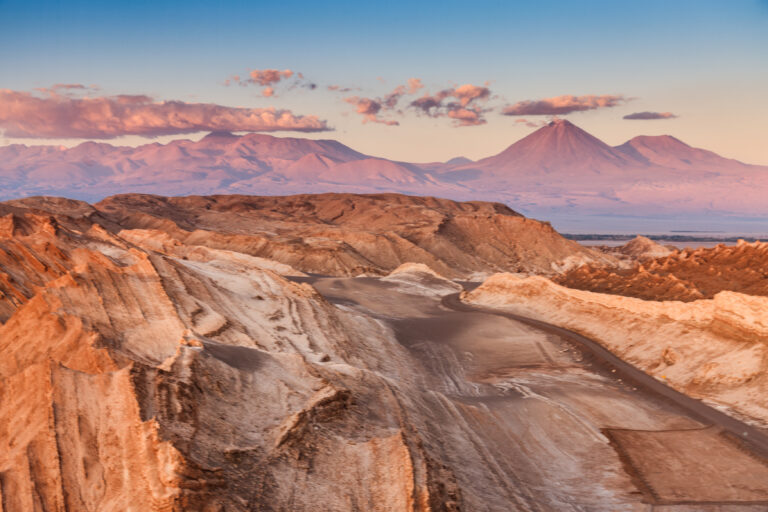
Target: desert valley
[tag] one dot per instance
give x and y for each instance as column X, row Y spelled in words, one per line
column 370, row 352
column 396, row 256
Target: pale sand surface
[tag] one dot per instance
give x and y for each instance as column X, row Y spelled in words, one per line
column 542, row 408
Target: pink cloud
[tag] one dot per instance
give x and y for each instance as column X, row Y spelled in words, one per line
column 468, row 93
column 466, row 116
column 339, row 88
column 531, row 124
column 414, row 84
column 269, row 79
column 369, row 108
column 268, row 76
column 650, row 115
column 466, row 111
column 57, row 89
column 24, row 115
column 565, row 104
column 466, row 108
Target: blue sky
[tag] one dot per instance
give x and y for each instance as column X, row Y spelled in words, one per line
column 705, row 61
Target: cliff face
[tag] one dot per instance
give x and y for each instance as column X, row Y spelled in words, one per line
column 137, row 380
column 714, row 349
column 346, row 234
column 684, row 275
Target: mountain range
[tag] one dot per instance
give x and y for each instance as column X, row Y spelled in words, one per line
column 557, row 172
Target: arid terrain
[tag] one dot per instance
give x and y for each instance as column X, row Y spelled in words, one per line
column 342, row 234
column 557, row 172
column 237, row 353
column 685, row 275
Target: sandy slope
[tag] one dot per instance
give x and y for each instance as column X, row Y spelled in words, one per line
column 713, row 349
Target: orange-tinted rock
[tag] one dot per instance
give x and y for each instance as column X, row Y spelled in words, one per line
column 347, row 234
column 683, row 275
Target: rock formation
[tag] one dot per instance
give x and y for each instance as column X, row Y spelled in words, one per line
column 639, row 248
column 346, row 234
column 684, row 275
column 193, row 380
column 152, row 359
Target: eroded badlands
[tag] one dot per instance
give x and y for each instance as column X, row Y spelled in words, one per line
column 185, row 354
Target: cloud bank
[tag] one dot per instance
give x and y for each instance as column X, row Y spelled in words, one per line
column 560, row 105
column 23, row 115
column 650, row 115
column 459, row 104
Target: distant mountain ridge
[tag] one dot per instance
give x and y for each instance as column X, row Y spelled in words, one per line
column 558, row 170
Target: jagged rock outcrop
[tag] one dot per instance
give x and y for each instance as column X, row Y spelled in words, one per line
column 714, row 349
column 684, row 275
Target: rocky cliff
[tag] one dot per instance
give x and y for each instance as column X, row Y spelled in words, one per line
column 194, row 380
column 347, row 234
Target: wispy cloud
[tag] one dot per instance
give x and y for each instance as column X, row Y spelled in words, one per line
column 566, row 104
column 341, row 88
column 371, row 108
column 23, row 114
column 650, row 115
column 268, row 79
column 67, row 89
column 531, row 124
column 465, row 108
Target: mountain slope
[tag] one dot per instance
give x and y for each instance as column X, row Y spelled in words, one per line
column 667, row 151
column 559, row 172
column 558, row 146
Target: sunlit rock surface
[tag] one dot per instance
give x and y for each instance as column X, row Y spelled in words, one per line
column 154, row 357
column 709, row 348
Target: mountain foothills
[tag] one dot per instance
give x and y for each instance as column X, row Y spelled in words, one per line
column 559, row 169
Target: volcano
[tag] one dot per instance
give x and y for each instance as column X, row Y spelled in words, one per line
column 560, row 145
column 557, row 172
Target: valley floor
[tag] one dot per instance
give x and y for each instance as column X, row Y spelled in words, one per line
column 556, row 429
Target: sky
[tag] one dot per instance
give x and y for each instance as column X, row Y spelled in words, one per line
column 414, row 81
